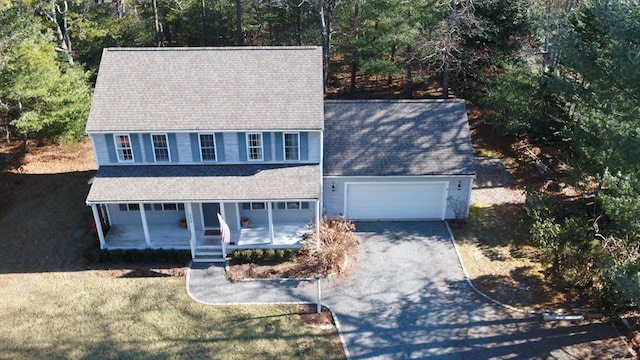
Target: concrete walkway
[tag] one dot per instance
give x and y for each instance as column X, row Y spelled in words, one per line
column 407, row 299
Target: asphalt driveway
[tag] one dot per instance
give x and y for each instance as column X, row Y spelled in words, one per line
column 407, row 299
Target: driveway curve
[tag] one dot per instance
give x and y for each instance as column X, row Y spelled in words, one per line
column 407, row 298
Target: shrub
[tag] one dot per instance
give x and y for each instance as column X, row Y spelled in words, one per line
column 261, row 256
column 94, row 254
column 337, row 251
column 570, row 249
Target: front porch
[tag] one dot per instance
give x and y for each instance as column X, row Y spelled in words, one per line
column 174, row 237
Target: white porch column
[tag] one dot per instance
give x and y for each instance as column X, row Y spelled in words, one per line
column 270, row 213
column 318, row 223
column 238, row 223
column 98, row 222
column 145, row 226
column 188, row 207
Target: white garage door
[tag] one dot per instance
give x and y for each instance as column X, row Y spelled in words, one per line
column 389, row 201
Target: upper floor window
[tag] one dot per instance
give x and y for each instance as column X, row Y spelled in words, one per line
column 123, row 148
column 291, row 146
column 160, row 147
column 208, row 147
column 254, row 146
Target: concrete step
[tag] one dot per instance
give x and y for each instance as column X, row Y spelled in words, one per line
column 209, row 259
column 209, row 253
column 208, row 247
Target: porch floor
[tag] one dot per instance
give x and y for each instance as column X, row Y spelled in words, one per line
column 175, row 237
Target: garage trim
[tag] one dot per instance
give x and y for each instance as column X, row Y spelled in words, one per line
column 442, row 198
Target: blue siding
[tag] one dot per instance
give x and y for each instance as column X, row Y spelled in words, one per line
column 279, row 147
column 111, row 148
column 148, row 148
column 304, row 146
column 242, row 146
column 135, row 146
column 266, row 146
column 195, row 147
column 173, row 147
column 220, row 146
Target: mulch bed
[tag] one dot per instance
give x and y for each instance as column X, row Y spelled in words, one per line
column 308, row 314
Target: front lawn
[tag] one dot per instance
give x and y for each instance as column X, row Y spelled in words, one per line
column 87, row 315
column 51, row 307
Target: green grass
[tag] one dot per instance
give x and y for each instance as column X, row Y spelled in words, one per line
column 84, row 315
column 494, row 247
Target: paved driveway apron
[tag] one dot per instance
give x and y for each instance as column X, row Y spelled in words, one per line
column 407, row 299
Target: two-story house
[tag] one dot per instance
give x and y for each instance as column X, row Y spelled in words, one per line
column 181, row 135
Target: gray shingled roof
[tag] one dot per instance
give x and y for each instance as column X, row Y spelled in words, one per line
column 185, row 183
column 248, row 88
column 397, row 137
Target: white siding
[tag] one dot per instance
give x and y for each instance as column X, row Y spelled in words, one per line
column 231, row 152
column 100, row 149
column 184, row 148
column 457, row 200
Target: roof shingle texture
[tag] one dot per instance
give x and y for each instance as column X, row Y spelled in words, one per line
column 185, row 89
column 397, row 138
column 186, row 183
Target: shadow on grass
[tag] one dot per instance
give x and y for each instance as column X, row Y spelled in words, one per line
column 45, row 227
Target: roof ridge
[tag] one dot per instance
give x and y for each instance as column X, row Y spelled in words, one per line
column 210, row 48
column 393, row 100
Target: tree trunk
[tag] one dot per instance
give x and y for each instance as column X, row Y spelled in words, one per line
column 299, row 25
column 156, row 24
column 239, row 34
column 409, row 72
column 324, row 37
column 62, row 32
column 451, row 29
column 205, row 35
column 354, row 51
column 391, row 57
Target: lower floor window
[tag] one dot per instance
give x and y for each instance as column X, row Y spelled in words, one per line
column 254, row 206
column 129, row 207
column 292, row 205
column 149, row 207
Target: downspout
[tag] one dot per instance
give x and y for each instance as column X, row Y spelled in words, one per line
column 319, row 204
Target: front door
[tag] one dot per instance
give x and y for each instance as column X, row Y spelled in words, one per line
column 209, row 218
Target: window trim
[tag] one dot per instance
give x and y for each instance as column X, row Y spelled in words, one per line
column 215, row 147
column 120, row 150
column 284, row 146
column 251, row 203
column 153, row 146
column 163, row 206
column 129, row 206
column 249, row 147
column 285, row 205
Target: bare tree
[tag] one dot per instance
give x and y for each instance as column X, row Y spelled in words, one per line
column 326, row 32
column 239, row 34
column 62, row 31
column 156, row 24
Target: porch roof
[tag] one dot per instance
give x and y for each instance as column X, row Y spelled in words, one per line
column 194, row 183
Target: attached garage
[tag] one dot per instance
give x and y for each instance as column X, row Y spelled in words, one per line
column 396, row 200
column 397, row 160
